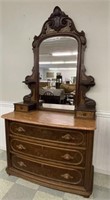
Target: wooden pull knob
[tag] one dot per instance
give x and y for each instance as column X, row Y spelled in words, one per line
column 20, row 129
column 67, row 176
column 20, row 147
column 68, row 137
column 67, row 157
column 22, row 164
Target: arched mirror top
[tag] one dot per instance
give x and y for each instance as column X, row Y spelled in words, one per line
column 59, row 35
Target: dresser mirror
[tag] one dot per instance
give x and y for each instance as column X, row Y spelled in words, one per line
column 57, row 71
column 59, row 80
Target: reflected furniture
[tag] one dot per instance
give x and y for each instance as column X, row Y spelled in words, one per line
column 43, row 84
column 52, row 95
column 68, row 87
column 54, row 148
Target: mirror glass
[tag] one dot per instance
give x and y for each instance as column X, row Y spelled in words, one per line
column 57, row 72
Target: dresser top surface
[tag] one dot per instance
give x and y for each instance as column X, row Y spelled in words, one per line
column 53, row 119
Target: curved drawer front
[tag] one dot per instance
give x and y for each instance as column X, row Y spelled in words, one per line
column 74, row 157
column 73, row 137
column 42, row 170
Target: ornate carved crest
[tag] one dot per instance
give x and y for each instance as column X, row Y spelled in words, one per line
column 58, row 19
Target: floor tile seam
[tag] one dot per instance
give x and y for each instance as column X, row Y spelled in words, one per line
column 7, row 180
column 9, row 189
column 26, row 186
column 100, row 186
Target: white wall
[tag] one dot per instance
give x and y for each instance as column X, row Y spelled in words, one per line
column 21, row 20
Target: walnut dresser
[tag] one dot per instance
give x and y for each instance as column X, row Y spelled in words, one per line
column 53, row 149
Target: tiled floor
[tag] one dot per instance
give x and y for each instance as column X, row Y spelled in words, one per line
column 13, row 188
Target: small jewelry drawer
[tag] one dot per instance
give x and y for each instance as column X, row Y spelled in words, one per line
column 60, row 155
column 72, row 176
column 48, row 134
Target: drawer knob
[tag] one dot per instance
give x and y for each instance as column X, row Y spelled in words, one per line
column 20, row 129
column 22, row 164
column 68, row 137
column 20, row 147
column 67, row 176
column 67, row 157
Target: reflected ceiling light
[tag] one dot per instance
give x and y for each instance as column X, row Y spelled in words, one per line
column 52, row 39
column 66, row 53
column 44, row 63
column 70, row 62
column 61, row 68
column 57, row 62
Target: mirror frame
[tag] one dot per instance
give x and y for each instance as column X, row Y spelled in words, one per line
column 59, row 24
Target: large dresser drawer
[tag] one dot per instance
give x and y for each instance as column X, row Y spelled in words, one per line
column 59, row 155
column 48, row 134
column 66, row 175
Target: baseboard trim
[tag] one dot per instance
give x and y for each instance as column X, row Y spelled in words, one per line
column 103, row 114
column 2, row 147
column 96, row 170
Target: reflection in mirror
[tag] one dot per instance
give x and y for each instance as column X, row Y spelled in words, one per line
column 57, row 72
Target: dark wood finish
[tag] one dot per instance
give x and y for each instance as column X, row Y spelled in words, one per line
column 24, row 107
column 50, row 171
column 59, row 24
column 56, row 153
column 74, row 157
column 48, row 134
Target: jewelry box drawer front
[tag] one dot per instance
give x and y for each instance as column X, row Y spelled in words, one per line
column 70, row 137
column 41, row 170
column 74, row 157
